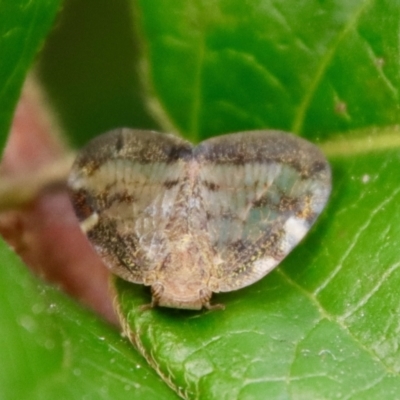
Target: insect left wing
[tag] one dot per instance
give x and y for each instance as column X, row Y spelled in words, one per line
column 262, row 191
column 123, row 187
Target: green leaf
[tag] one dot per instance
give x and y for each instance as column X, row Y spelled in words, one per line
column 50, row 346
column 324, row 325
column 89, row 66
column 23, row 26
column 309, row 67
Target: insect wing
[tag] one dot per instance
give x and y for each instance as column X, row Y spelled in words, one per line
column 262, row 191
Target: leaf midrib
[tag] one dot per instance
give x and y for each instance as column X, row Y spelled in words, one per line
column 362, row 142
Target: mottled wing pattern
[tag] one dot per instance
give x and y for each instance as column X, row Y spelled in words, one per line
column 123, row 187
column 262, row 191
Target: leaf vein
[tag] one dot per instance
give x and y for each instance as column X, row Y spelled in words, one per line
column 354, row 242
column 323, row 66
